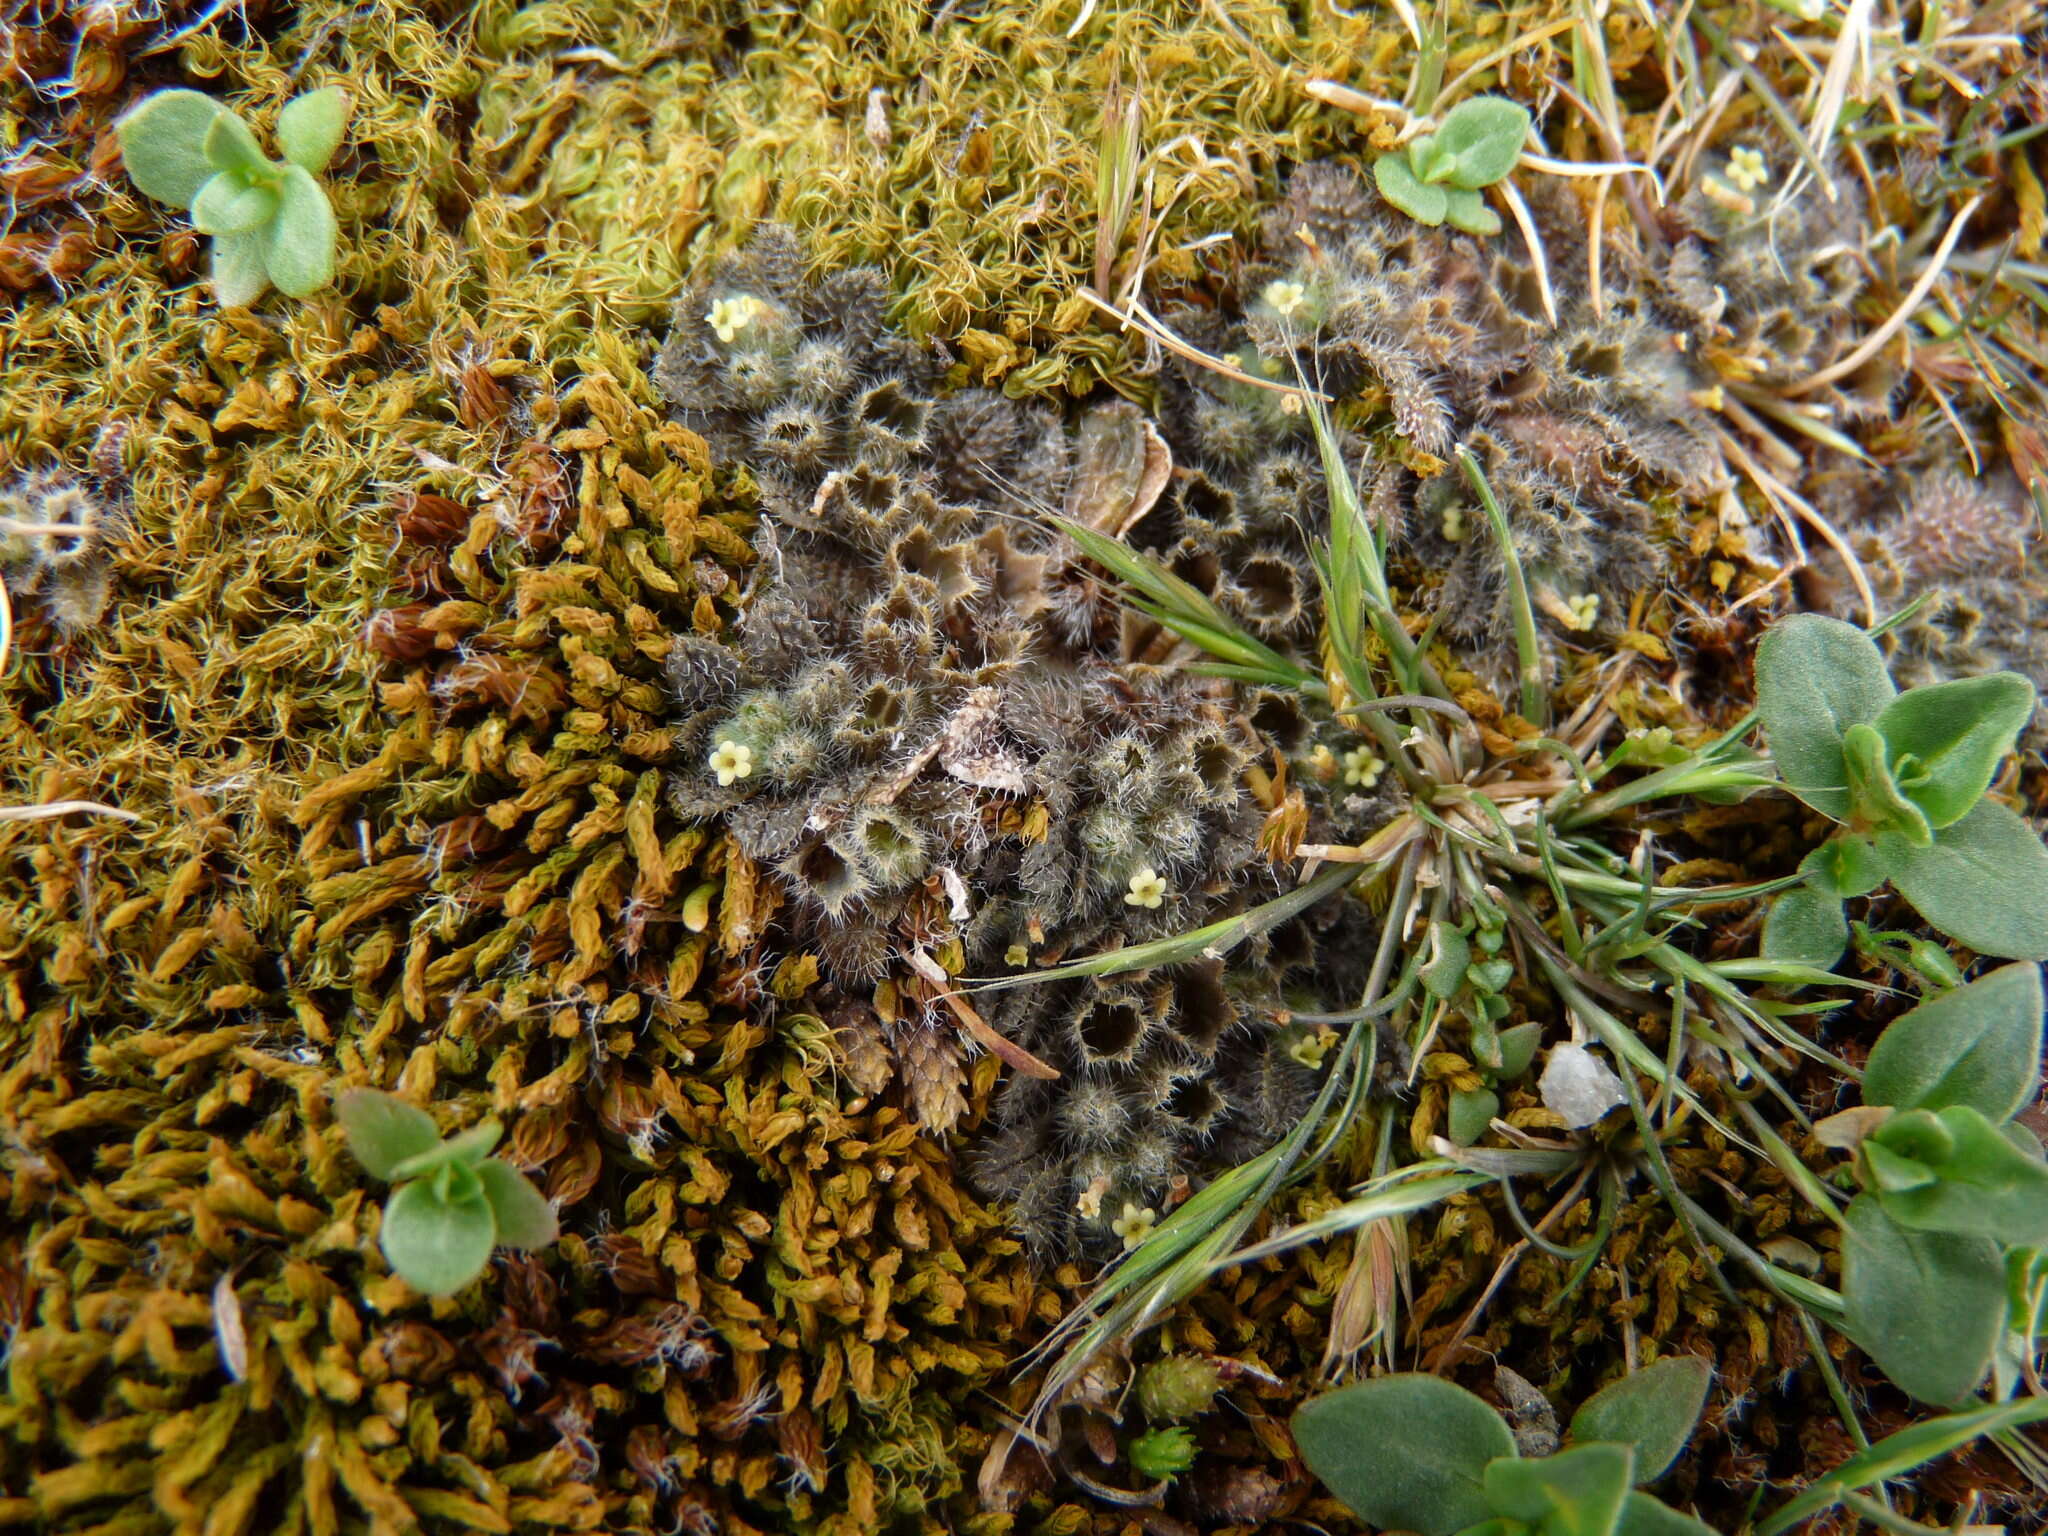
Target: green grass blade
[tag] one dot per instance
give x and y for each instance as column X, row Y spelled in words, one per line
column 1196, row 944
column 1897, row 1455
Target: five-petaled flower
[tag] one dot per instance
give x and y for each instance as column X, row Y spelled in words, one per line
column 1363, row 767
column 1746, row 168
column 728, row 317
column 1284, row 297
column 1135, row 1225
column 732, row 760
column 1148, row 888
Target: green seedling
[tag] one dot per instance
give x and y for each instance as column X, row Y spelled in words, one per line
column 1415, row 1453
column 453, row 1202
column 1938, row 1251
column 270, row 220
column 1438, row 177
column 1905, row 775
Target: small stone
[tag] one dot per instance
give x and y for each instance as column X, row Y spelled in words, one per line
column 1579, row 1087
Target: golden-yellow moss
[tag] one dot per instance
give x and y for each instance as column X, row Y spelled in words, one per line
column 380, row 681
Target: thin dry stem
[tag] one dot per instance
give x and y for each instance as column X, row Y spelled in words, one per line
column 1874, row 342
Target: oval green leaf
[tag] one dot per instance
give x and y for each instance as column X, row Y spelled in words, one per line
column 1926, row 1306
column 300, row 256
column 525, row 1217
column 1848, row 866
column 436, row 1246
column 1955, row 735
column 1653, row 1410
column 1979, row 1045
column 236, row 269
column 1805, row 926
column 465, row 1148
column 1467, row 210
column 1485, row 135
column 163, row 145
column 1578, row 1492
column 1982, row 1183
column 230, row 205
column 230, row 146
column 1424, row 203
column 309, row 128
column 1406, row 1452
column 1816, row 677
column 1645, row 1516
column 1984, row 882
column 383, row 1130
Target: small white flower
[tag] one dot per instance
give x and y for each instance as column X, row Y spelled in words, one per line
column 728, row 317
column 1148, row 889
column 1135, row 1225
column 1363, row 767
column 1746, row 168
column 1582, row 611
column 732, row 760
column 1284, row 298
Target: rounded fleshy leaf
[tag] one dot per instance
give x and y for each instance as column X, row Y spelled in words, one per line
column 230, row 146
column 1928, row 1307
column 1642, row 1515
column 1953, row 1171
column 1805, row 925
column 300, row 254
column 435, row 1245
column 1577, row 1492
column 1465, row 209
column 237, row 270
column 464, row 1149
column 526, row 1219
column 230, row 205
column 1406, row 1452
column 1845, row 866
column 383, row 1130
column 1399, row 185
column 1484, row 137
column 1653, row 1409
column 1947, row 740
column 163, row 145
column 1816, row 677
column 1984, row 882
column 1979, row 1046
column 309, row 129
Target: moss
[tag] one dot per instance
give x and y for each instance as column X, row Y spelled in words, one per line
column 381, row 670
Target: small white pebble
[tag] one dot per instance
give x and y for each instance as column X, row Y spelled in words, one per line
column 1578, row 1086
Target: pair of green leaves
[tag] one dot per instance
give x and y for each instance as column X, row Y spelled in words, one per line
column 454, row 1202
column 1415, row 1453
column 270, row 220
column 1905, row 774
column 1439, row 176
column 1952, row 1190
